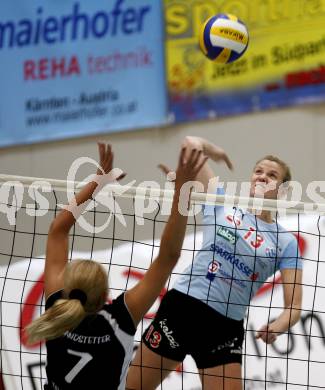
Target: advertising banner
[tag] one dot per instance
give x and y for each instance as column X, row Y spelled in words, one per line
column 294, row 361
column 283, row 65
column 72, row 68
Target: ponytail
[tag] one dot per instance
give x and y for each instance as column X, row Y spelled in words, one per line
column 64, row 315
column 85, row 284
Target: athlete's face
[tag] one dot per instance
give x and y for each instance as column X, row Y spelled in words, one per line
column 266, row 179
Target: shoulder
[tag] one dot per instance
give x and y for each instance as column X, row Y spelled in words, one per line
column 51, row 299
column 287, row 237
column 118, row 315
column 290, row 256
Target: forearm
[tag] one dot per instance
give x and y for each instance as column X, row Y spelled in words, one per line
column 67, row 217
column 292, row 296
column 288, row 318
column 174, row 232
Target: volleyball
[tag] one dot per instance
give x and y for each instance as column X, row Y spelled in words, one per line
column 223, row 38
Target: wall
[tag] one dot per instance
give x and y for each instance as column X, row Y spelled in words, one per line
column 296, row 135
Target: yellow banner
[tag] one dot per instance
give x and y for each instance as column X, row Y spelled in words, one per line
column 287, row 38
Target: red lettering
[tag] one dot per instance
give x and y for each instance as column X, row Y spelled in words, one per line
column 300, row 79
column 73, row 66
column 51, row 68
column 155, row 339
column 42, row 69
column 235, row 220
column 259, row 238
column 249, row 233
column 57, row 67
column 147, row 60
column 29, row 70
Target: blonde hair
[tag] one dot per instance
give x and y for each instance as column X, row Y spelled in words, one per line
column 88, row 276
column 283, row 165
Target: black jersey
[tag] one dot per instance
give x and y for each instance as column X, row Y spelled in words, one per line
column 96, row 354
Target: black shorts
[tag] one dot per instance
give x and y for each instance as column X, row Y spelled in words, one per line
column 186, row 326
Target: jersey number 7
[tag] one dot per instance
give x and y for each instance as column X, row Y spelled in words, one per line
column 85, row 358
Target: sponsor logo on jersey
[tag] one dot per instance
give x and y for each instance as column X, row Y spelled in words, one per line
column 168, row 333
column 232, row 345
column 227, row 344
column 232, row 259
column 254, row 276
column 231, row 281
column 227, row 234
column 213, row 268
column 272, row 252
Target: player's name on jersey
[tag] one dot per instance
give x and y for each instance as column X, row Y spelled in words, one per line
column 78, row 338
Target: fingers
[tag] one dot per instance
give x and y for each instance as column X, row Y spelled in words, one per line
column 106, row 156
column 104, row 150
column 197, row 160
column 201, row 164
column 182, row 160
column 122, row 176
column 101, row 150
column 164, row 169
column 194, row 157
column 228, row 162
column 267, row 335
column 109, row 153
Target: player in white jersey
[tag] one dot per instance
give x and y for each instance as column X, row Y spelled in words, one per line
column 90, row 343
column 203, row 314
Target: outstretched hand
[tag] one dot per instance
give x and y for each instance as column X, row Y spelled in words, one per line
column 106, row 157
column 189, row 165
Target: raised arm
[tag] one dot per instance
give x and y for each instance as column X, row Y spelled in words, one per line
column 58, row 236
column 292, row 295
column 212, row 151
column 140, row 298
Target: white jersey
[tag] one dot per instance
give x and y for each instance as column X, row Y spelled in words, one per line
column 239, row 252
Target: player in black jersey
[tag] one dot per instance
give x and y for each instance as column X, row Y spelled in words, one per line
column 89, row 343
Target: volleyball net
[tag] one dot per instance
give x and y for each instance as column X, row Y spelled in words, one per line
column 121, row 229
